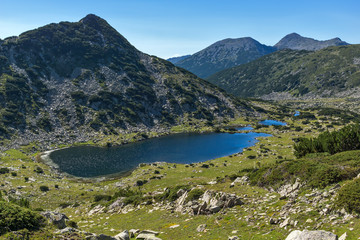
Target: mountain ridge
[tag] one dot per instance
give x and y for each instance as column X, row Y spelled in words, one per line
column 295, row 41
column 207, row 61
column 329, row 72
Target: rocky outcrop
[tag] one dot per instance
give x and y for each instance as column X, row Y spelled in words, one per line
column 290, row 190
column 311, row 235
column 55, row 218
column 210, row 202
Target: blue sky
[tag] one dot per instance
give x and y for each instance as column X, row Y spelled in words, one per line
column 166, row 28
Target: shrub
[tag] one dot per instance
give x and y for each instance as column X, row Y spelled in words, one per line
column 99, row 198
column 14, row 174
column 64, row 205
column 349, row 196
column 39, row 170
column 72, row 224
column 318, row 171
column 345, row 139
column 44, row 188
column 4, row 170
column 194, row 194
column 14, row 218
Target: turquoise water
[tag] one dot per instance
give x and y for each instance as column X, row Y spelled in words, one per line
column 272, row 122
column 297, row 113
column 88, row 161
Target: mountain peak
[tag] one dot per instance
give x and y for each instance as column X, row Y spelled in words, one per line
column 224, row 54
column 95, row 21
column 91, row 18
column 297, row 42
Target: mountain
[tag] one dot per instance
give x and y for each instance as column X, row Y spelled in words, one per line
column 174, row 60
column 330, row 72
column 72, row 80
column 296, row 42
column 224, row 54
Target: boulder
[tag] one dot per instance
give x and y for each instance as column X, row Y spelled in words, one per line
column 343, row 237
column 234, row 238
column 117, row 205
column 132, row 232
column 102, row 237
column 201, row 228
column 58, row 219
column 311, row 235
column 146, row 236
column 123, row 236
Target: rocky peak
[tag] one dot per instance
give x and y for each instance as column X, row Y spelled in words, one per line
column 297, row 42
column 224, row 54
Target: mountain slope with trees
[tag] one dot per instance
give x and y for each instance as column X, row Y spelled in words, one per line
column 330, row 72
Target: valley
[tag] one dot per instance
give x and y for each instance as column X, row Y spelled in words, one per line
column 267, row 145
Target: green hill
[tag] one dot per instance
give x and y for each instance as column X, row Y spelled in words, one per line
column 329, row 72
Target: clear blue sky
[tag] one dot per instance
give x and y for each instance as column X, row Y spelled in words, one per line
column 177, row 27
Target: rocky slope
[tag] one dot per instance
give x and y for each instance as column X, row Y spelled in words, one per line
column 224, row 54
column 330, row 72
column 296, row 42
column 71, row 80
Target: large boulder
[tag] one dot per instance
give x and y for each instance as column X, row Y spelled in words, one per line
column 101, row 237
column 58, row 219
column 311, row 235
column 123, row 235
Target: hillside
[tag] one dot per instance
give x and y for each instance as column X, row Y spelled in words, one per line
column 224, row 54
column 70, row 81
column 330, row 72
column 296, row 42
column 174, row 60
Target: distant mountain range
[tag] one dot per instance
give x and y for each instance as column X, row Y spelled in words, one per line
column 329, row 72
column 72, row 79
column 228, row 53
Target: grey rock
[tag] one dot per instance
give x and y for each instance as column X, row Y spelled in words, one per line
column 234, row 238
column 343, row 237
column 117, row 205
column 311, row 235
column 285, row 223
column 123, row 235
column 58, row 219
column 201, row 228
column 102, row 237
column 147, row 236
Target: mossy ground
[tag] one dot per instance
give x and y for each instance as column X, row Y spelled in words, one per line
column 249, row 221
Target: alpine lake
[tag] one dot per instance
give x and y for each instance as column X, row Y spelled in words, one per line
column 185, row 148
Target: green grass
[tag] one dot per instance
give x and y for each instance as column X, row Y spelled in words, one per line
column 76, row 196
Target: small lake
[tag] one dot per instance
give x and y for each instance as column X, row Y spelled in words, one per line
column 247, row 128
column 272, row 123
column 297, row 113
column 88, row 161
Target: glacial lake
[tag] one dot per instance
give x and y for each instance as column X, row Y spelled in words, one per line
column 88, row 161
